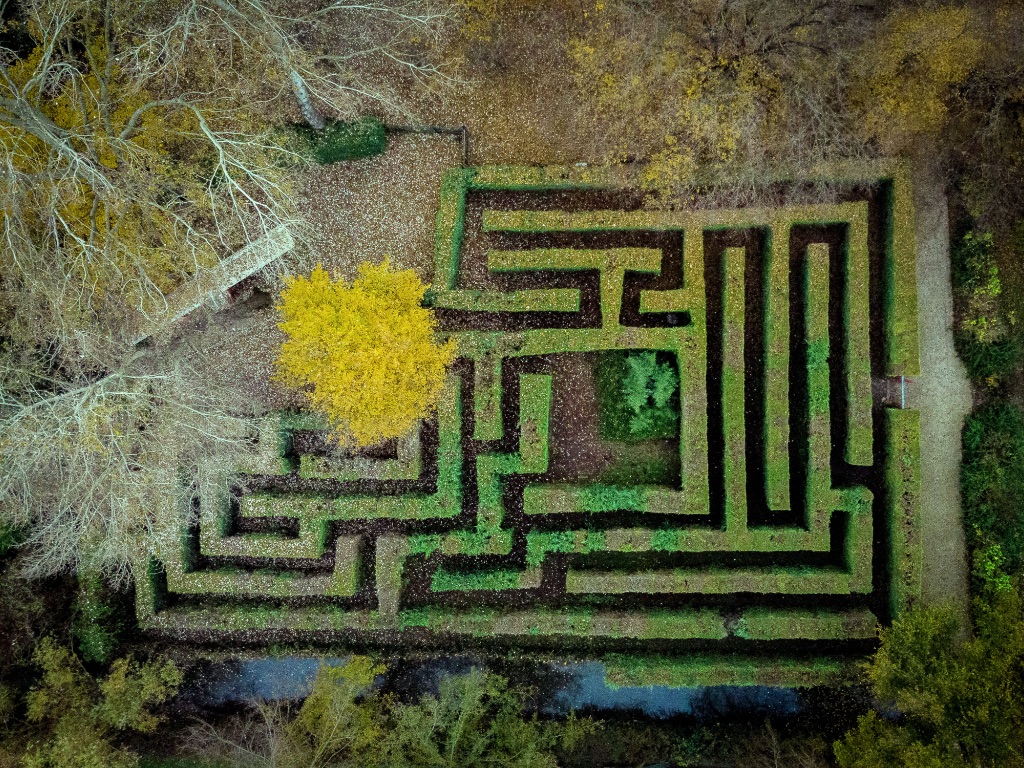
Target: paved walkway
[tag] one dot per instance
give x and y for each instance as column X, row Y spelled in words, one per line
column 945, row 399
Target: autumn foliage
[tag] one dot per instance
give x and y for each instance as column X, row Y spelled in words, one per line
column 365, row 351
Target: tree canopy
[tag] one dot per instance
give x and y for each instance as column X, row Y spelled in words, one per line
column 962, row 700
column 366, row 350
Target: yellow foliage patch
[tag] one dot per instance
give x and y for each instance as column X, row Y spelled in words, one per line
column 686, row 108
column 365, row 351
column 912, row 66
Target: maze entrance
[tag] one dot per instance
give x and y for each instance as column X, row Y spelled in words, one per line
column 658, row 445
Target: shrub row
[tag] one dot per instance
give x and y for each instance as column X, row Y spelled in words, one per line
column 819, row 495
column 734, row 469
column 534, row 423
column 539, row 300
column 491, row 581
column 540, row 543
column 451, row 220
column 902, row 354
column 806, row 624
column 487, row 424
column 992, row 480
column 575, row 259
column 798, row 580
column 465, row 542
column 529, row 178
column 389, row 563
column 858, row 547
column 985, row 337
column 903, row 508
column 578, row 622
column 776, row 376
column 248, row 617
column 857, row 328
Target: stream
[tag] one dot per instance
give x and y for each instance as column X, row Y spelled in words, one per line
column 561, row 687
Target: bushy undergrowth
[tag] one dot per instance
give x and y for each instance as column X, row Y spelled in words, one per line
column 340, row 140
column 474, row 720
column 637, row 393
column 992, row 479
column 984, row 335
column 73, row 720
column 960, row 700
column 93, row 624
column 10, row 537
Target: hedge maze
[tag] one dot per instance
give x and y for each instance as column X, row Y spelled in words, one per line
column 658, row 445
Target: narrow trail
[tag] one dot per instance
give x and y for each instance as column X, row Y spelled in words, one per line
column 945, row 399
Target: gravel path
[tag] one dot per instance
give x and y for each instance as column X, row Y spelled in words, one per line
column 365, row 210
column 945, row 399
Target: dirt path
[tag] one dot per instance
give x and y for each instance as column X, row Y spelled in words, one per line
column 945, row 399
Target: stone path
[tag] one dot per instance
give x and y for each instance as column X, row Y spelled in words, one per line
column 945, row 398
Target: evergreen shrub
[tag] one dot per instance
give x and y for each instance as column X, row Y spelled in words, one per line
column 638, row 396
column 92, row 624
column 984, row 333
column 341, row 140
column 992, row 479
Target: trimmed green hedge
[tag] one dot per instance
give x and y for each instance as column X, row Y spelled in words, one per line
column 816, row 296
column 776, row 376
column 575, row 622
column 693, row 670
column 734, row 464
column 806, row 624
column 902, row 350
column 609, row 498
column 798, row 580
column 341, row 140
column 857, row 330
column 903, row 478
column 491, row 581
column 451, row 220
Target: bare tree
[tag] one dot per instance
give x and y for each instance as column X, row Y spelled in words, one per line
column 339, row 55
column 85, row 464
column 113, row 194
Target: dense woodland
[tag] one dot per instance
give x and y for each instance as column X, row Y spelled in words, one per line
column 143, row 142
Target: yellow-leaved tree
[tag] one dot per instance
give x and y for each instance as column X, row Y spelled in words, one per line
column 707, row 92
column 366, row 351
column 909, row 70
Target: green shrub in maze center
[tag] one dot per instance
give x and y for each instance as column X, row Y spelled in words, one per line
column 637, row 396
column 792, row 515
